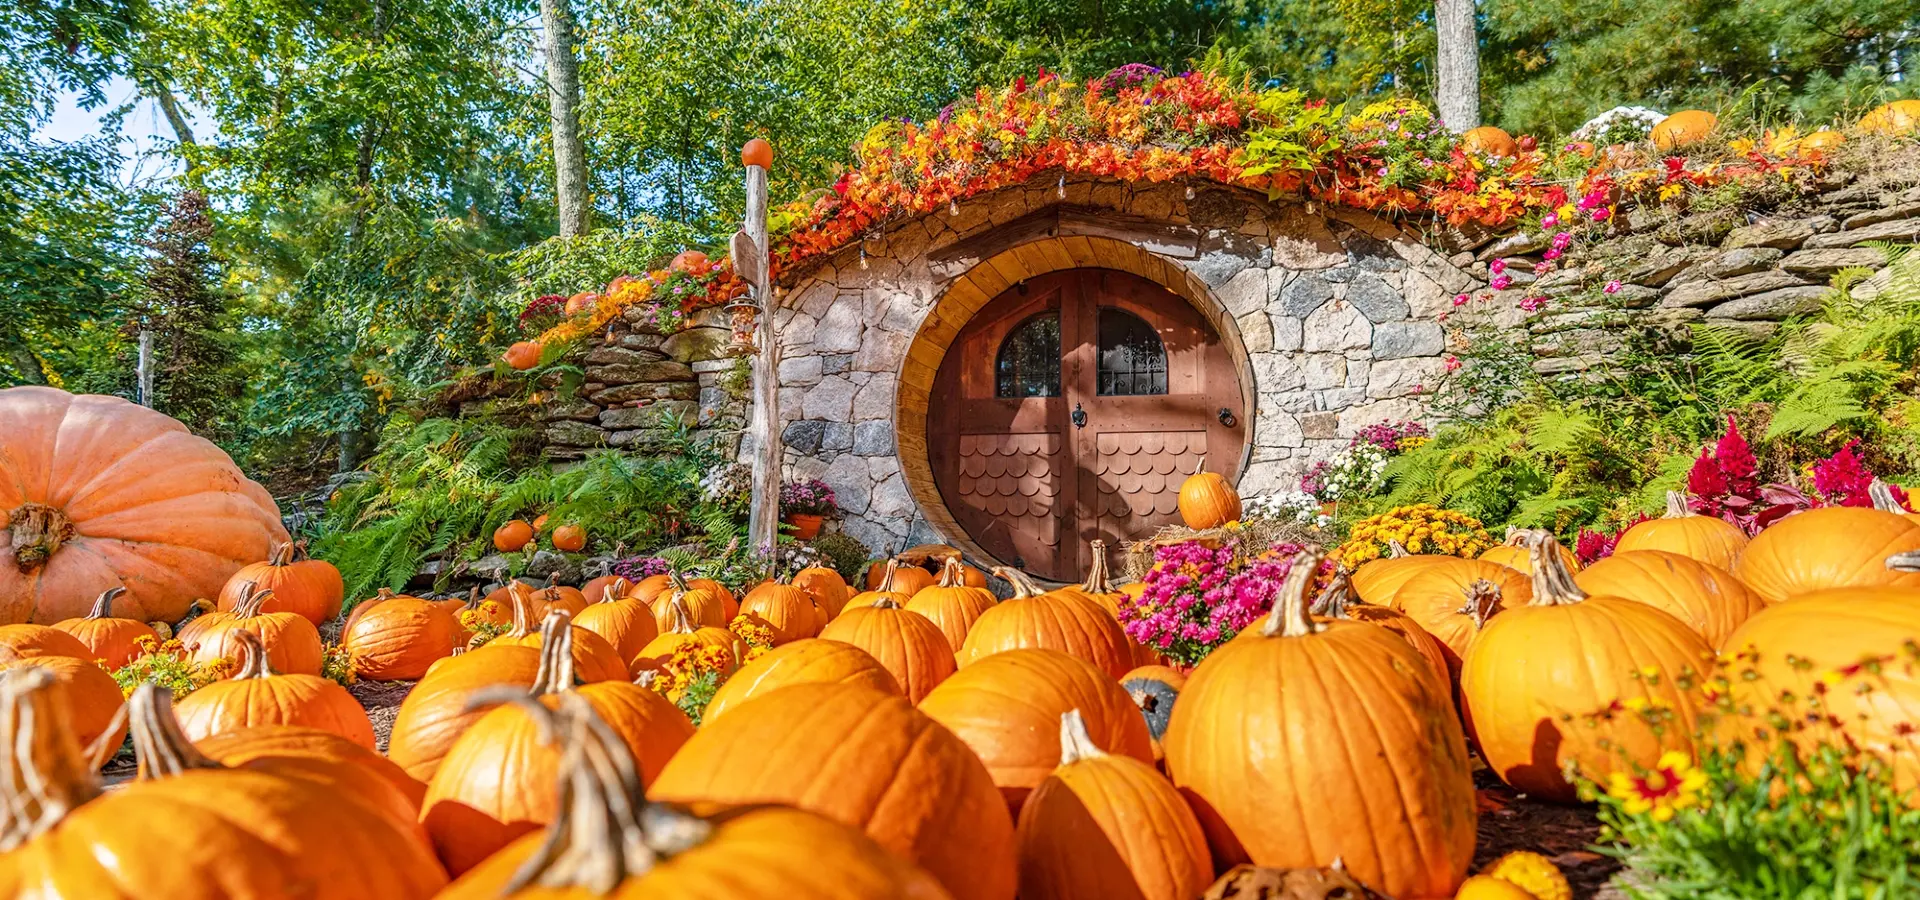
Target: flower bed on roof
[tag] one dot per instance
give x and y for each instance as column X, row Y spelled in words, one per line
column 1138, row 123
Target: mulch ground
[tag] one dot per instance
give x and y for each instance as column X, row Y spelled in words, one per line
column 382, row 700
column 1564, row 834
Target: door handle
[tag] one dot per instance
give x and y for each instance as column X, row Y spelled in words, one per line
column 1079, row 416
column 1226, row 417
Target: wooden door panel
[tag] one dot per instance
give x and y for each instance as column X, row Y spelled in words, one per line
column 1135, row 478
column 1008, row 495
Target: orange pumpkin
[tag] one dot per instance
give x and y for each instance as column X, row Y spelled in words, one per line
column 97, row 492
column 756, row 152
column 951, row 604
column 530, row 594
column 435, row 712
column 1838, row 665
column 874, row 763
column 1832, row 547
column 828, row 590
column 571, row 538
column 1338, row 602
column 87, row 697
column 596, row 587
column 1490, row 141
column 497, row 780
column 189, row 827
column 27, row 641
column 896, row 584
column 580, row 302
column 1453, row 598
column 593, row 658
column 1821, row 141
column 1896, row 118
column 257, row 696
column 681, row 630
column 809, row 661
column 399, row 638
column 289, row 743
column 1538, row 676
column 309, row 587
column 1709, row 599
column 512, row 537
column 1376, row 581
column 1001, row 707
column 908, row 644
column 651, row 587
column 1154, row 690
column 1684, row 128
column 1341, row 724
column 524, row 355
column 1066, row 622
column 113, row 641
column 620, row 618
column 1511, row 554
column 1207, row 500
column 786, row 610
column 559, row 596
column 293, row 644
column 1709, row 539
column 703, row 606
column 1107, row 825
column 647, row 851
column 729, row 604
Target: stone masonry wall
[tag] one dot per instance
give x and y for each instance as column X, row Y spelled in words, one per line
column 638, row 378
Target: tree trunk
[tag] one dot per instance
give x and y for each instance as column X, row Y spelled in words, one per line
column 563, row 100
column 27, row 363
column 1457, row 93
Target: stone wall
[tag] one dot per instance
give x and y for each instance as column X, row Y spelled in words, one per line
column 639, row 378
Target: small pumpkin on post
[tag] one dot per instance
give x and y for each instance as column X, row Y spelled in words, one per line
column 1207, row 500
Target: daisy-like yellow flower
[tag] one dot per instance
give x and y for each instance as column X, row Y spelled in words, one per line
column 1673, row 784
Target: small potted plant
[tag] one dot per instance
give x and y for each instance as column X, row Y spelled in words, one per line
column 804, row 505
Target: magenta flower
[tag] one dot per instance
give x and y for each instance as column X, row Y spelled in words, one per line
column 1534, row 303
column 1542, row 268
column 1552, row 253
column 1613, row 287
column 1562, row 240
column 1453, row 362
column 1550, row 220
column 1497, row 266
column 1601, row 215
column 1502, row 282
column 1460, row 299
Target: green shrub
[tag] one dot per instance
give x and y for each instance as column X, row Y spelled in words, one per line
column 845, row 554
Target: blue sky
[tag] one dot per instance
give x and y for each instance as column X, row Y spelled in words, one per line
column 142, row 131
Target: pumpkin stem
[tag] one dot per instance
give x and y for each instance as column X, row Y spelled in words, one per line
column 616, row 589
column 522, row 609
column 300, row 550
column 160, row 748
column 950, row 574
column 886, row 602
column 1075, row 743
column 1904, row 562
column 253, row 662
column 1023, row 587
column 1483, row 600
column 281, row 554
column 1336, row 596
column 38, row 530
column 473, row 598
column 556, row 655
column 886, row 577
column 1290, row 617
column 646, row 679
column 1200, row 466
column 252, row 599
column 1397, row 550
column 1097, row 579
column 45, row 775
column 682, row 617
column 1552, row 582
column 1677, row 505
column 103, row 605
column 1882, row 496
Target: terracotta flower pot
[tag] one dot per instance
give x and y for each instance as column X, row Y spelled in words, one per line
column 805, row 527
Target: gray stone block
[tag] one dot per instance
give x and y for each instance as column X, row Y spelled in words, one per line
column 575, row 434
column 576, row 410
column 701, row 343
column 805, row 435
column 1376, row 299
column 873, row 439
column 653, row 415
column 615, row 355
column 1307, row 292
column 1397, row 340
column 1710, row 291
column 636, row 373
column 1899, row 230
column 654, row 390
column 1824, row 263
column 838, row 436
column 1772, row 306
column 1731, row 263
column 1883, row 214
column 1780, row 234
column 836, row 363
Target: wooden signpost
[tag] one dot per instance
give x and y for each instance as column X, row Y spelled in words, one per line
column 751, row 264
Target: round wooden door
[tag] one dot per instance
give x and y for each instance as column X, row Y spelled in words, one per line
column 1070, row 408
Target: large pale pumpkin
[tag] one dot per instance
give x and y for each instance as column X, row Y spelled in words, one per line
column 863, row 757
column 110, row 639
column 658, row 851
column 1453, row 598
column 908, row 644
column 257, row 696
column 810, row 661
column 1554, row 684
column 187, row 827
column 1839, row 666
column 1832, row 547
column 310, row 587
column 952, row 604
column 1708, row 598
column 1207, row 499
column 1001, row 706
column 97, row 492
column 1709, row 539
column 435, row 713
column 1342, row 726
column 497, row 780
column 1107, row 825
column 1063, row 621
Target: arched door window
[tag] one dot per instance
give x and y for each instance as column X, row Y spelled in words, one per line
column 1133, row 361
column 1029, row 360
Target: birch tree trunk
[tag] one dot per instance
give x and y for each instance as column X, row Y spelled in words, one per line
column 1457, row 93
column 563, row 100
column 763, row 524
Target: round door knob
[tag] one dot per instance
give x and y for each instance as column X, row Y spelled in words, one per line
column 1226, row 417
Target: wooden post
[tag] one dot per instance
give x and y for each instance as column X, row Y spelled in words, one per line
column 750, row 263
column 143, row 371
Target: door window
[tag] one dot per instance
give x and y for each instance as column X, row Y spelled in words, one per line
column 1133, row 361
column 1029, row 360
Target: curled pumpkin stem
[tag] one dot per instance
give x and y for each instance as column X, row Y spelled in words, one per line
column 1023, row 586
column 103, row 604
column 1076, row 743
column 1483, row 600
column 1881, row 493
column 1336, row 596
column 46, row 774
column 1097, row 578
column 1290, row 617
column 160, row 748
column 252, row 599
column 1677, row 506
column 1904, row 562
column 1552, row 582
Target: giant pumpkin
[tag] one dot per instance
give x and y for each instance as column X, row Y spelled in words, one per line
column 1553, row 684
column 1709, row 539
column 187, row 829
column 866, row 758
column 1832, row 547
column 1340, row 725
column 1001, row 706
column 1709, row 599
column 497, row 780
column 908, row 644
column 97, row 492
column 656, row 851
column 810, row 661
column 310, row 587
column 1106, row 825
column 1063, row 621
column 257, row 696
